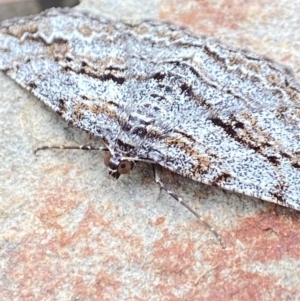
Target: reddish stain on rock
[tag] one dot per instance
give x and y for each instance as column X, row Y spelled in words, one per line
column 247, row 268
column 206, row 16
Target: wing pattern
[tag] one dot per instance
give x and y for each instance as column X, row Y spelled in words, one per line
column 154, row 91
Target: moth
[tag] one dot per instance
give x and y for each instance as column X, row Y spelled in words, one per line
column 156, row 92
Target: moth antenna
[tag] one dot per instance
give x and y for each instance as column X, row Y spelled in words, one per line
column 179, row 200
column 78, row 147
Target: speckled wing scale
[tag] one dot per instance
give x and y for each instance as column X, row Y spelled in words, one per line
column 218, row 115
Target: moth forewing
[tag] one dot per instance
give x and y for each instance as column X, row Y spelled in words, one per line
column 156, row 92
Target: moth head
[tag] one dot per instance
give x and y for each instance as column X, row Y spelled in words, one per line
column 117, row 165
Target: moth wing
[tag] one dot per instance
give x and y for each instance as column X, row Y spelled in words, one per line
column 68, row 60
column 219, row 116
column 224, row 117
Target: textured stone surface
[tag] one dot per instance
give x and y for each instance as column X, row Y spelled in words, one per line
column 10, row 9
column 69, row 232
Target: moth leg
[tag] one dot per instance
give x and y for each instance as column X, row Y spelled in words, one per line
column 179, row 200
column 79, row 147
